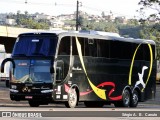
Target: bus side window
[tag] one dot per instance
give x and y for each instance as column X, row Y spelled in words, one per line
column 99, row 53
column 91, row 48
column 63, row 59
column 64, row 47
column 146, row 52
column 139, row 54
column 74, row 46
column 103, row 48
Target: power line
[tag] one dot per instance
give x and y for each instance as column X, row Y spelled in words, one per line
column 109, row 12
column 27, row 2
column 66, row 5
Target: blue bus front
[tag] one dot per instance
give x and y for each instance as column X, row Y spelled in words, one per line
column 33, row 57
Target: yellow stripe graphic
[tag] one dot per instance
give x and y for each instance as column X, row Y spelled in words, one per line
column 131, row 67
column 151, row 64
column 99, row 92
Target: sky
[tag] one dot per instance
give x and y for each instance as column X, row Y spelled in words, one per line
column 125, row 8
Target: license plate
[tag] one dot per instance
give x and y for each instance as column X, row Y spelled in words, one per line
column 28, row 97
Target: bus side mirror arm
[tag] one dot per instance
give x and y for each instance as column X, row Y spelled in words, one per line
column 4, row 62
column 52, row 70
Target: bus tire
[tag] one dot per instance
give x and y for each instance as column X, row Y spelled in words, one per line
column 72, row 99
column 91, row 104
column 126, row 99
column 33, row 103
column 134, row 99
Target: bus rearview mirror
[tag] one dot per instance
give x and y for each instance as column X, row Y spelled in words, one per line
column 5, row 61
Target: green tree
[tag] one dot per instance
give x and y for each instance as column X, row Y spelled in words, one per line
column 154, row 31
column 133, row 22
column 18, row 17
column 29, row 23
column 26, row 14
column 103, row 14
column 155, row 6
column 110, row 27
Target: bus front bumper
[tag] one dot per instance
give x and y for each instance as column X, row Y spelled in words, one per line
column 32, row 96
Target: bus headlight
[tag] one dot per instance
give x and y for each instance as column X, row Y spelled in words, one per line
column 12, row 90
column 13, row 86
column 47, row 91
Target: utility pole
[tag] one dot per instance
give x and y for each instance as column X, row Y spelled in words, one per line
column 77, row 16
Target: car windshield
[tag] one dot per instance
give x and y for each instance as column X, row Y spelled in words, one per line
column 35, row 45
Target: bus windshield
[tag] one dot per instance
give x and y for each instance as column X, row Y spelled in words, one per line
column 32, row 71
column 35, row 45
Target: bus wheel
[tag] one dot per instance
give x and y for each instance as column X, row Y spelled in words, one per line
column 33, row 103
column 72, row 99
column 125, row 100
column 134, row 99
column 93, row 104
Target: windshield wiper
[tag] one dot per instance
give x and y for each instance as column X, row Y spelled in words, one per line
column 39, row 81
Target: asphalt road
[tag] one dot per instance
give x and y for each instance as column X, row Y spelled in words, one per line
column 5, row 99
column 4, row 96
column 58, row 111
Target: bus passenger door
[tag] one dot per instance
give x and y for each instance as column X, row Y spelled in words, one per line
column 63, row 60
column 59, row 71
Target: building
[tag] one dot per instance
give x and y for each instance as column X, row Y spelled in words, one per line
column 2, row 18
column 42, row 16
column 109, row 18
column 57, row 24
column 121, row 19
column 66, row 17
column 10, row 22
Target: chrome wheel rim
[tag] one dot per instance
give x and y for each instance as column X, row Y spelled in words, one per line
column 126, row 98
column 72, row 98
column 135, row 98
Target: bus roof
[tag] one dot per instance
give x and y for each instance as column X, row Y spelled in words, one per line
column 92, row 35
